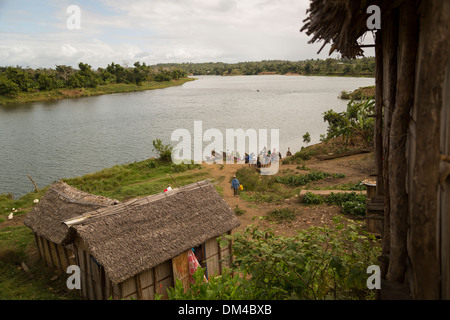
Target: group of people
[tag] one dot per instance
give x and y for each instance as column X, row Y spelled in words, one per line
column 264, row 158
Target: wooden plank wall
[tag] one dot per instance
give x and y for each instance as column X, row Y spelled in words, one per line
column 147, row 283
column 216, row 258
column 54, row 256
column 95, row 284
column 427, row 242
column 180, row 266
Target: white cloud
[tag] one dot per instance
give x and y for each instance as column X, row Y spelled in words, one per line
column 165, row 31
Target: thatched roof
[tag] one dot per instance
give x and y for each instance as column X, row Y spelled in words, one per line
column 61, row 202
column 137, row 235
column 339, row 22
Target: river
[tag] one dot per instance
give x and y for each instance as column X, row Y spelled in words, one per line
column 73, row 137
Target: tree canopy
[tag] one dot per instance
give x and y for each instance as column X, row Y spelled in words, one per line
column 14, row 80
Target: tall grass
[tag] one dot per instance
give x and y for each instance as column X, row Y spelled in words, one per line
column 137, row 179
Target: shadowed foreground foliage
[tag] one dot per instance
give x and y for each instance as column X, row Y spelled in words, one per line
column 318, row 263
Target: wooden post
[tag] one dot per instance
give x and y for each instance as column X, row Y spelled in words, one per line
column 51, row 264
column 407, row 53
column 220, row 257
column 137, row 279
column 36, row 240
column 378, row 129
column 424, row 238
column 155, row 280
column 58, row 258
column 390, row 43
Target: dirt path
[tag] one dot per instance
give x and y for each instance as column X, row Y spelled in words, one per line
column 356, row 168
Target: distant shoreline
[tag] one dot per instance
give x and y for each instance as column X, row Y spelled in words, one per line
column 288, row 74
column 60, row 94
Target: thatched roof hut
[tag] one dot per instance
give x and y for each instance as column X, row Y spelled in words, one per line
column 412, row 132
column 135, row 237
column 60, row 203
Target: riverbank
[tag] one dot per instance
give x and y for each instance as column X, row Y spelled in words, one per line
column 359, row 94
column 59, row 94
column 277, row 206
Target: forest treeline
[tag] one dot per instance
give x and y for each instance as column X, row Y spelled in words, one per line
column 331, row 66
column 14, row 80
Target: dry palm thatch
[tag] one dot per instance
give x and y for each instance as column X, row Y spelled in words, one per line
column 134, row 236
column 340, row 22
column 60, row 203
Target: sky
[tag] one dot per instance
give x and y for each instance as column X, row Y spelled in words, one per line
column 41, row 34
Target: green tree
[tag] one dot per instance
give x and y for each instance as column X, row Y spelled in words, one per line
column 307, row 138
column 164, row 151
column 46, row 81
column 352, row 122
column 8, row 87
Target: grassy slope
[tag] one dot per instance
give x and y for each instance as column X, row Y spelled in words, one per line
column 59, row 94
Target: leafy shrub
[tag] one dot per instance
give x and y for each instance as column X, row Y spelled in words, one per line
column 272, row 197
column 301, row 180
column 355, row 121
column 164, row 151
column 351, row 203
column 341, row 197
column 357, row 208
column 300, row 156
column 317, row 263
column 224, row 287
column 312, row 198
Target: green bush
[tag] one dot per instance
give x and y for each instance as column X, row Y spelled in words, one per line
column 318, row 263
column 300, row 156
column 351, row 203
column 164, row 151
column 356, row 208
column 312, row 198
column 341, row 197
column 355, row 121
column 301, row 180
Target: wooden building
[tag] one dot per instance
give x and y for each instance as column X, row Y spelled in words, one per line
column 138, row 248
column 61, row 202
column 412, row 132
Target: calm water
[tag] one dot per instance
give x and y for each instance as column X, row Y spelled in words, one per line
column 69, row 138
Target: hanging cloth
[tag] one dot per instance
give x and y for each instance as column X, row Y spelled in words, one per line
column 193, row 266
